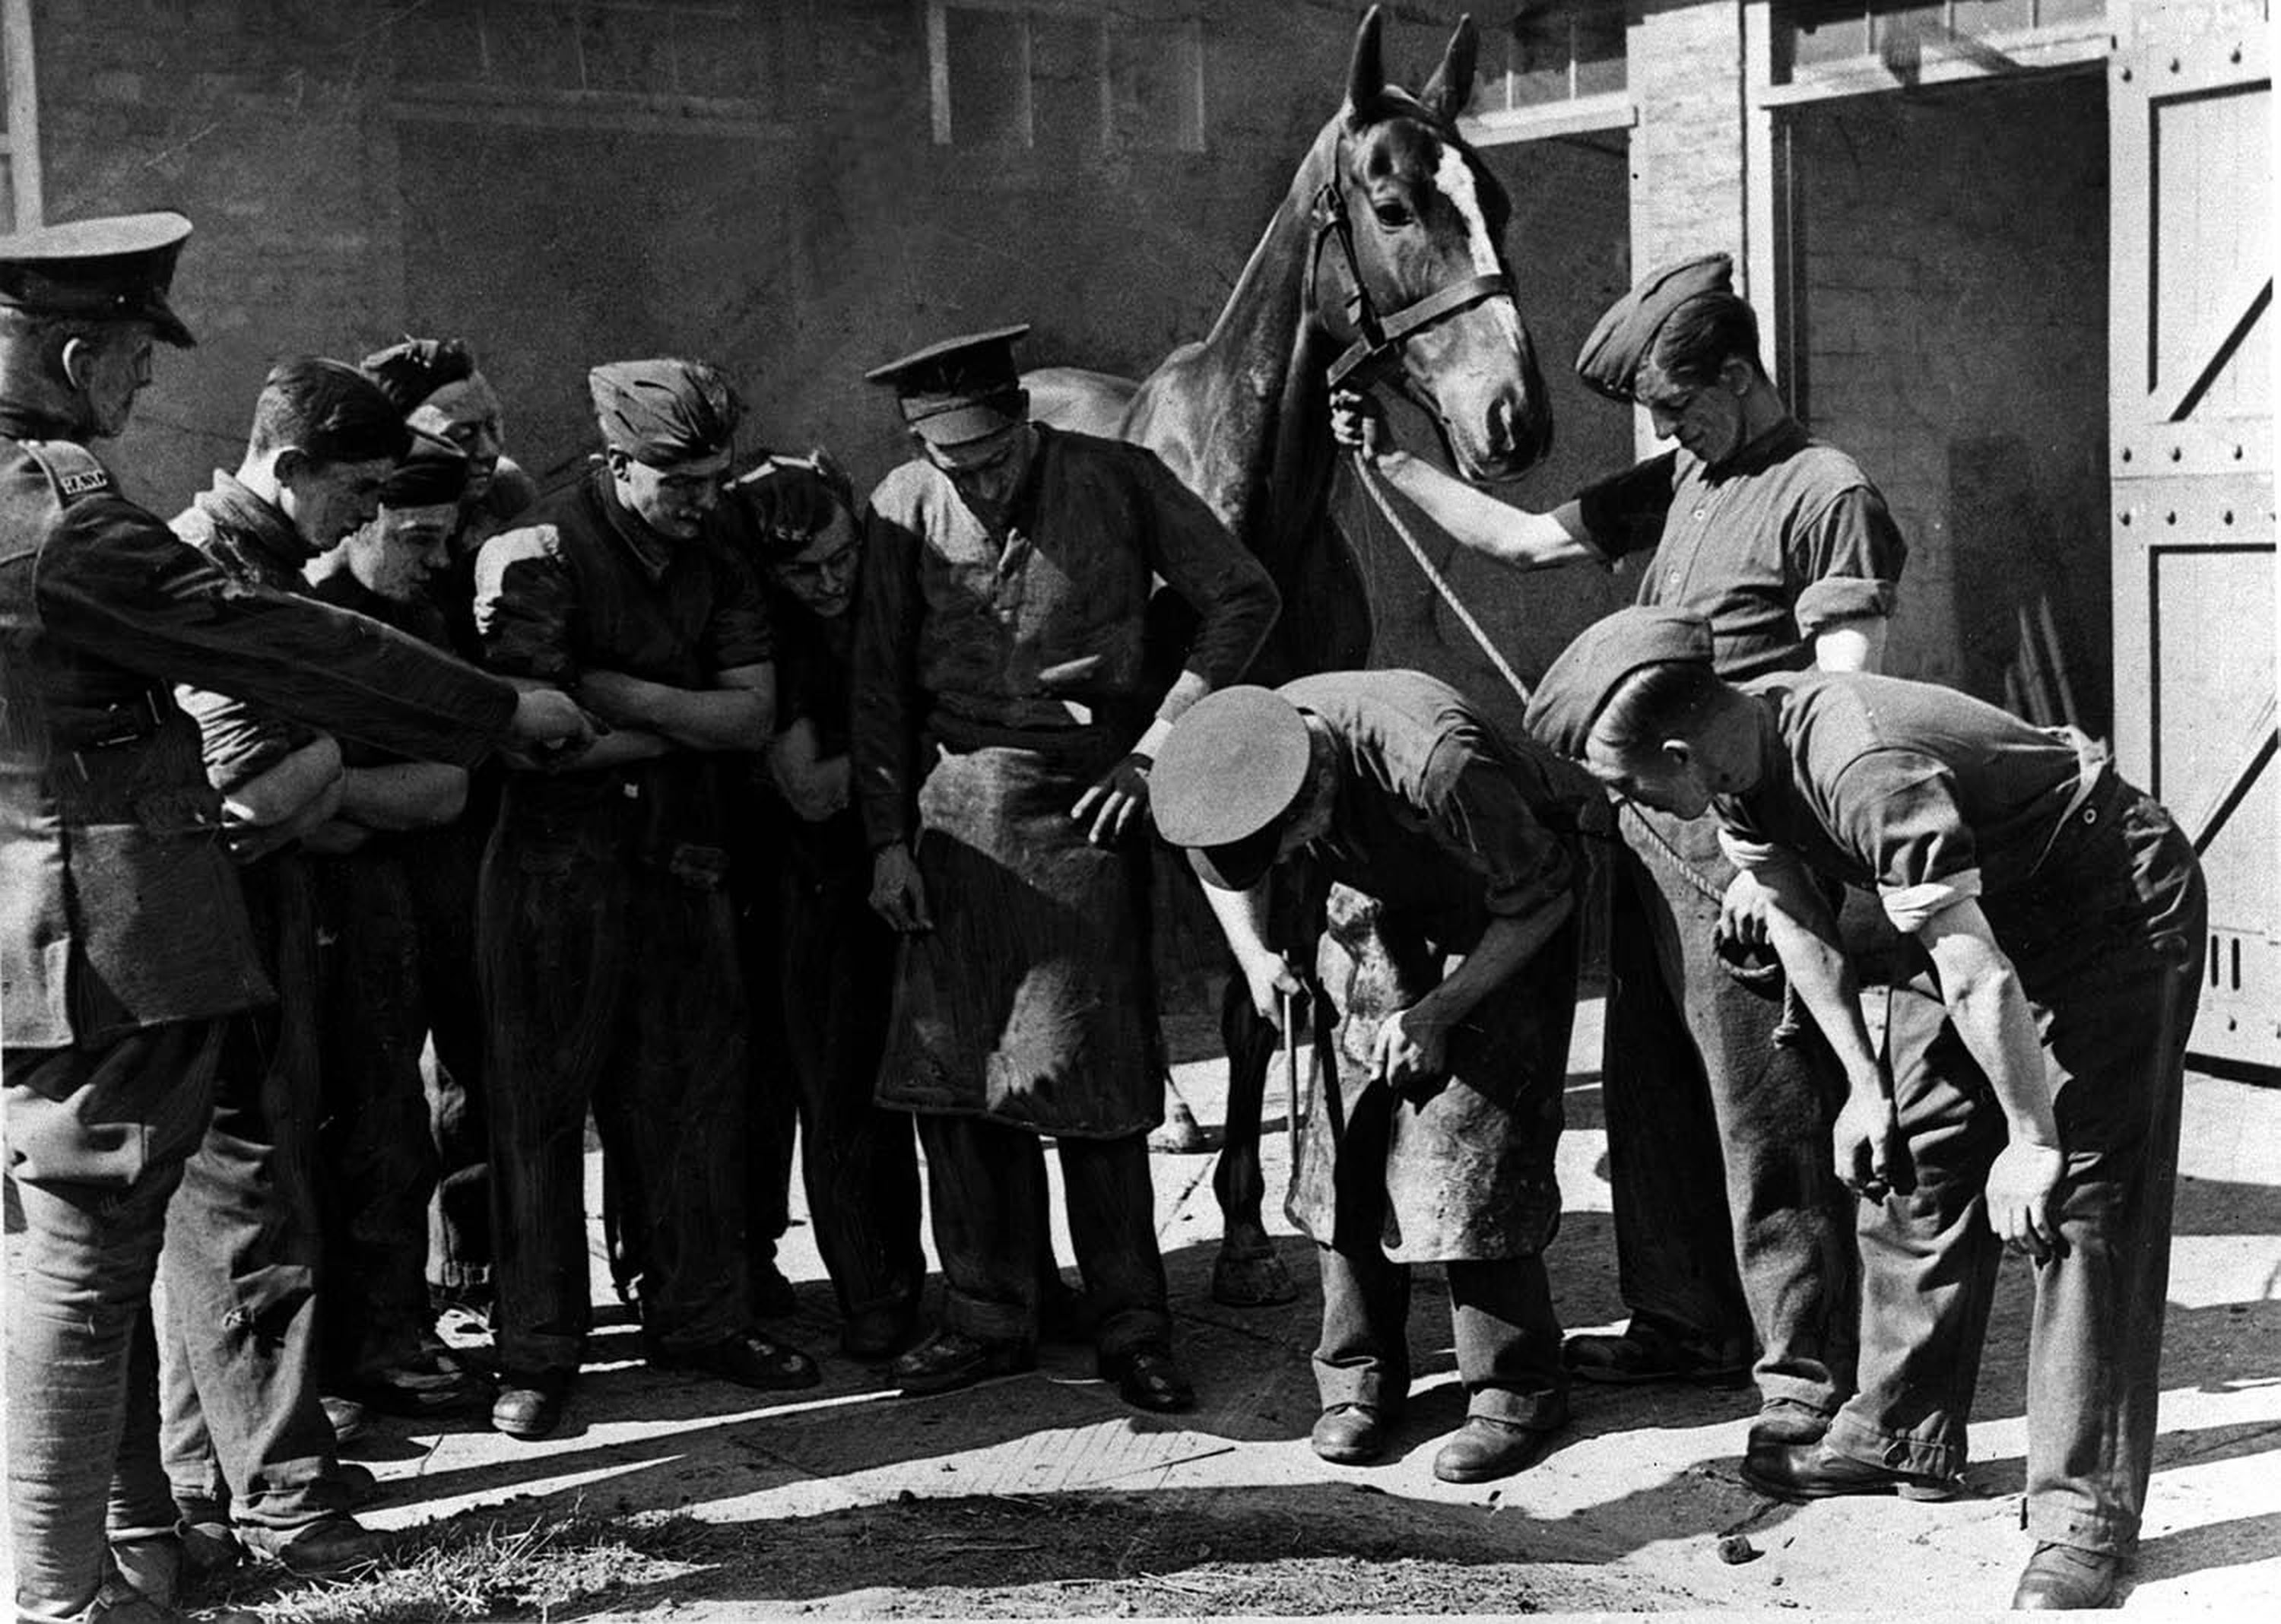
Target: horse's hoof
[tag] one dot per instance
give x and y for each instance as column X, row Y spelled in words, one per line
column 1179, row 1135
column 1251, row 1279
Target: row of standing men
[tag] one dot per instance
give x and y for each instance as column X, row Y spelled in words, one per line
column 971, row 745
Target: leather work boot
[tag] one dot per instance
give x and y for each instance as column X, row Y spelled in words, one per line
column 2060, row 1578
column 530, row 1406
column 119, row 1602
column 744, row 1357
column 1149, row 1378
column 951, row 1359
column 878, row 1334
column 1816, row 1472
column 1486, row 1448
column 1785, row 1421
column 1643, row 1354
column 1351, row 1434
column 330, row 1548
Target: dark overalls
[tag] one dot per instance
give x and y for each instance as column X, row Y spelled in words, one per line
column 1727, row 1220
column 820, row 975
column 608, row 944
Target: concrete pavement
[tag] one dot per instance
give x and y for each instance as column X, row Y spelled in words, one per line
column 1627, row 1511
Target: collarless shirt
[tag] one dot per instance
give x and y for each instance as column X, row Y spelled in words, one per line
column 1926, row 794
column 1436, row 815
column 1776, row 544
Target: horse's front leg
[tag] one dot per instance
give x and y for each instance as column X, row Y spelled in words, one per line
column 1247, row 1274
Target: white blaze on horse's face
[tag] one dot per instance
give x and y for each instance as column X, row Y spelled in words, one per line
column 1478, row 371
column 1453, row 177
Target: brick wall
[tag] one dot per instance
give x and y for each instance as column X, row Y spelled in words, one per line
column 1955, row 303
column 341, row 197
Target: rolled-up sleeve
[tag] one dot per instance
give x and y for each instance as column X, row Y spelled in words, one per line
column 525, row 601
column 1897, row 810
column 883, row 727
column 1624, row 512
column 1845, row 562
column 121, row 585
column 1234, row 600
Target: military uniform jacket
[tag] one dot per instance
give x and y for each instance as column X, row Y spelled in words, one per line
column 119, row 908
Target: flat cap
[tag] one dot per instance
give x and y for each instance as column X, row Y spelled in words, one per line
column 1228, row 771
column 1580, row 684
column 959, row 389
column 408, row 372
column 115, row 269
column 432, row 472
column 1620, row 339
column 664, row 410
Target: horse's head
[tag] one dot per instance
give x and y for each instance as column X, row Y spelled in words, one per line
column 1408, row 270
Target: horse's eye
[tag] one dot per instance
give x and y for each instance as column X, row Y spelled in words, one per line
column 1392, row 216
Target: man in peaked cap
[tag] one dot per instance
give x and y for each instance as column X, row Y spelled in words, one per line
column 125, row 939
column 1005, row 720
column 2033, row 1058
column 607, row 935
column 1420, row 834
column 1784, row 546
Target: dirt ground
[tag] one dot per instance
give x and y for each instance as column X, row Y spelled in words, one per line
column 1044, row 1495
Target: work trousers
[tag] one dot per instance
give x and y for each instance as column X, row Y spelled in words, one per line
column 1501, row 1317
column 2113, row 999
column 242, row 1427
column 96, row 1140
column 611, row 985
column 378, row 1159
column 237, row 1304
column 1728, row 1219
column 821, row 967
column 445, row 884
column 989, row 1194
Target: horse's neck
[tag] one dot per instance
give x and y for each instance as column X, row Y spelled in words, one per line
column 1246, row 406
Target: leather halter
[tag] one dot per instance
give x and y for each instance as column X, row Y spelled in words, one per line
column 1381, row 336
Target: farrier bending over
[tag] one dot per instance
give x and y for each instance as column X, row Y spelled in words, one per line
column 2061, row 916
column 1004, row 726
column 1426, row 838
column 1782, row 544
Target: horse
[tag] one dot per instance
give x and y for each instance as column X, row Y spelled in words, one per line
column 1384, row 263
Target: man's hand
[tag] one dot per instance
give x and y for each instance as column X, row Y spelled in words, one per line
column 1411, row 1048
column 1116, row 801
column 2021, row 1183
column 898, row 894
column 1867, row 1143
column 249, row 842
column 1270, row 980
column 1742, row 914
column 551, row 722
column 1358, row 424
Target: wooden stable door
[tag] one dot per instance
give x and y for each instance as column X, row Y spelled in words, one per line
column 2197, row 594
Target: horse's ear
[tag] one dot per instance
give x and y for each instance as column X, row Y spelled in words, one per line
column 1366, row 74
column 1452, row 84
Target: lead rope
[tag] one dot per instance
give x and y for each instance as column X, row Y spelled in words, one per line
column 1373, row 486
